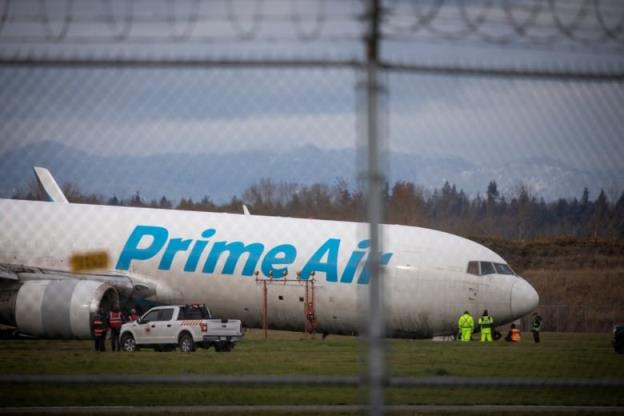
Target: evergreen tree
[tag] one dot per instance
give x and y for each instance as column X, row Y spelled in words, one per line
column 618, row 216
column 164, row 203
column 599, row 221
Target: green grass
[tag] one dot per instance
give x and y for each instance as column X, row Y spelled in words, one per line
column 559, row 355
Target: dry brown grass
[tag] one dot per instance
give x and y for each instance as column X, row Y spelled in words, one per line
column 580, row 282
column 559, row 253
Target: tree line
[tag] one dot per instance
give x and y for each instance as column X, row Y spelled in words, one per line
column 520, row 215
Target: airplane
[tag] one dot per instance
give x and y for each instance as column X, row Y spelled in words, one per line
column 147, row 256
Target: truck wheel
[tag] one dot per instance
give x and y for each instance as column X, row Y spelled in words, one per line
column 186, row 343
column 128, row 343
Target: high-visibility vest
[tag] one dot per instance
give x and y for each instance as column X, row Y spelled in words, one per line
column 536, row 325
column 465, row 321
column 133, row 317
column 98, row 327
column 114, row 320
column 515, row 335
column 486, row 321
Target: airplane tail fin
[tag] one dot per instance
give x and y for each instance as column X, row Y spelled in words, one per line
column 48, row 185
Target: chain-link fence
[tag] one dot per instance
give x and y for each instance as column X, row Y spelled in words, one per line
column 579, row 318
column 499, row 121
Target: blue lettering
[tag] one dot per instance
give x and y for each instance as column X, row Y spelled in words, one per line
column 236, row 249
column 329, row 249
column 175, row 245
column 354, row 261
column 198, row 249
column 281, row 254
column 383, row 260
column 131, row 250
column 146, row 241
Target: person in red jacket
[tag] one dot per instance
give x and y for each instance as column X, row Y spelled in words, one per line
column 134, row 316
column 115, row 320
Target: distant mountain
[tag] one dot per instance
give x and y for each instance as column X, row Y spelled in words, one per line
column 221, row 176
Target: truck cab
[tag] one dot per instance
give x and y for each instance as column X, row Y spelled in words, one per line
column 184, row 326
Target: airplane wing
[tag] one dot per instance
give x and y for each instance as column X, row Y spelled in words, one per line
column 23, row 273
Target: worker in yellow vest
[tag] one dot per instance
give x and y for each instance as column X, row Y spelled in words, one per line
column 486, row 322
column 466, row 326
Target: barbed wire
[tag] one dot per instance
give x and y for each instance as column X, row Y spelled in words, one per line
column 319, row 22
column 112, row 21
column 45, row 18
column 582, row 23
column 545, row 23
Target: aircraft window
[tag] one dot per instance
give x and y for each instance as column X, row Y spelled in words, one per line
column 152, row 316
column 503, row 268
column 165, row 314
column 473, row 268
column 487, row 268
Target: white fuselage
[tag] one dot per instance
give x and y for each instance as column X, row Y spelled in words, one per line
column 211, row 258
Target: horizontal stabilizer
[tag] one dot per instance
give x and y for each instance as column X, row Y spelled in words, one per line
column 48, row 185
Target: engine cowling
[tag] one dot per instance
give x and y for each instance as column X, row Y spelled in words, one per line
column 61, row 308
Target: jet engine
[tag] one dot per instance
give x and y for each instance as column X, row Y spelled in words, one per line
column 61, row 308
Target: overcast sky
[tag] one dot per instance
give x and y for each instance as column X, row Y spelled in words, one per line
column 215, row 111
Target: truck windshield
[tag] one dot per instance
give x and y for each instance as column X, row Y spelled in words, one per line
column 193, row 312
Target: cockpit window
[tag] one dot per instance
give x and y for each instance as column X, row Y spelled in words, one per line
column 487, row 268
column 482, row 268
column 473, row 268
column 503, row 268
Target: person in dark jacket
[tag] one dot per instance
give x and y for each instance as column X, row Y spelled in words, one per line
column 99, row 332
column 536, row 327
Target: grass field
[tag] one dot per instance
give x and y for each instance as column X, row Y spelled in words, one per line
column 575, row 355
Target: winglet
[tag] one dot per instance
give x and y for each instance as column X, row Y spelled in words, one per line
column 48, row 185
column 245, row 210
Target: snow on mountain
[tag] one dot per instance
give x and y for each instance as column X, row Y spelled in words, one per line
column 226, row 175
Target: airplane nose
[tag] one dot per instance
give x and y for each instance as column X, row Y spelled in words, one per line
column 524, row 298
